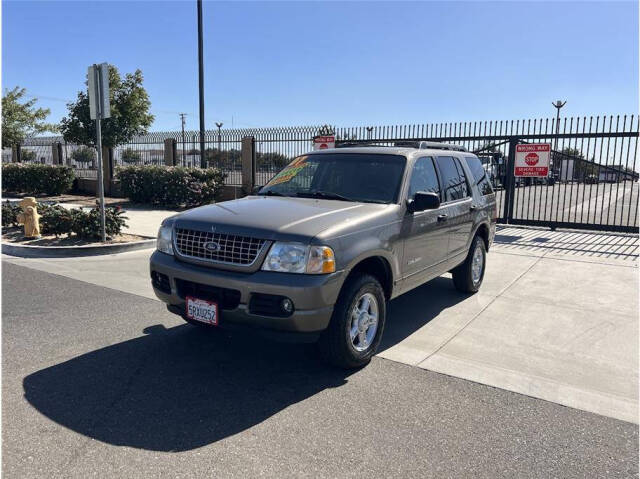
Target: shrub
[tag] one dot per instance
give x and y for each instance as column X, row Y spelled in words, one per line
column 37, row 179
column 10, row 214
column 170, row 186
column 84, row 154
column 87, row 224
column 55, row 220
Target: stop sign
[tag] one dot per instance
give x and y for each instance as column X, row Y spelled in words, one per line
column 531, row 159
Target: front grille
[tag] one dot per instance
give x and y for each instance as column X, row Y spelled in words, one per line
column 226, row 298
column 226, row 248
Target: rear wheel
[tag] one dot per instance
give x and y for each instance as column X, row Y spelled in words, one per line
column 357, row 323
column 469, row 275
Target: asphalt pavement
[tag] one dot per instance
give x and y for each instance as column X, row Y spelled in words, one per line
column 102, row 383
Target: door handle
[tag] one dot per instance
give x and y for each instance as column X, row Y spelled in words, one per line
column 443, row 217
column 473, row 207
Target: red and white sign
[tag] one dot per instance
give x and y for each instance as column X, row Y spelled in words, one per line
column 533, row 160
column 324, row 142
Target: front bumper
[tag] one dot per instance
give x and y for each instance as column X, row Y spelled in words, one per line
column 313, row 296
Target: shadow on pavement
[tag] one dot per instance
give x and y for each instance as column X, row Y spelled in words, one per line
column 177, row 389
column 181, row 388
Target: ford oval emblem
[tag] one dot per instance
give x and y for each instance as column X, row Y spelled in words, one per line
column 211, row 246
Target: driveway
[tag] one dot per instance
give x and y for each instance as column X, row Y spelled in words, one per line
column 556, row 318
column 102, row 383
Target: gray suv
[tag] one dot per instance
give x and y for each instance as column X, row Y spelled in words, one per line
column 319, row 251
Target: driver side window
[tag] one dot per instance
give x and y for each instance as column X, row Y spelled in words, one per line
column 423, row 177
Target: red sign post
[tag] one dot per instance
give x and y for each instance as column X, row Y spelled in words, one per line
column 532, row 160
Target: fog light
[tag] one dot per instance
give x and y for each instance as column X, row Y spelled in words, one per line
column 287, row 305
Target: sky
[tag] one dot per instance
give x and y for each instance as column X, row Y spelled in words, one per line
column 341, row 63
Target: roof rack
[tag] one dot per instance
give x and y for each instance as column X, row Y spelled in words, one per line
column 422, row 145
column 432, row 145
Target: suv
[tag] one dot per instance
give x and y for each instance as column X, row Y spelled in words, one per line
column 319, row 251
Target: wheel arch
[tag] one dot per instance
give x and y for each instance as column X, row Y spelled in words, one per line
column 377, row 266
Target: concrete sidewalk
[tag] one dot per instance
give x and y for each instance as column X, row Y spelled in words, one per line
column 556, row 318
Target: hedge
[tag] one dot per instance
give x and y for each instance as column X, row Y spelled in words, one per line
column 56, row 220
column 170, row 186
column 37, row 179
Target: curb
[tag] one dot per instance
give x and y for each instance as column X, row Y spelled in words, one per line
column 25, row 251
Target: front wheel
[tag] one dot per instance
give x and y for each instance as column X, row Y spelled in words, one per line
column 469, row 275
column 357, row 323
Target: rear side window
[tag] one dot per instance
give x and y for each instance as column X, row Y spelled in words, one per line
column 424, row 177
column 480, row 176
column 454, row 183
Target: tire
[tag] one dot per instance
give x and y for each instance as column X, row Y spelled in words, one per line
column 463, row 275
column 336, row 344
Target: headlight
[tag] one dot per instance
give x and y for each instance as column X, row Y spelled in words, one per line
column 300, row 258
column 164, row 241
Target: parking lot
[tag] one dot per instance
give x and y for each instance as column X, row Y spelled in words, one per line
column 473, row 385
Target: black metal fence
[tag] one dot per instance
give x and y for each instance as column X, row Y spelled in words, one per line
column 593, row 181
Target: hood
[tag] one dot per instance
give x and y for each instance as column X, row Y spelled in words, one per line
column 277, row 218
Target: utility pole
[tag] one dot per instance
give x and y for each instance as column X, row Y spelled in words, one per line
column 182, row 115
column 558, row 105
column 203, row 161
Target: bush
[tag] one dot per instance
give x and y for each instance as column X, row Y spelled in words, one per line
column 87, row 224
column 170, row 186
column 55, row 220
column 37, row 179
column 84, row 154
column 10, row 214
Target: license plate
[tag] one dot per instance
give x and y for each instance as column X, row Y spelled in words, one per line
column 202, row 310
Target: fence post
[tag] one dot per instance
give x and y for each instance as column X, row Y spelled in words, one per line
column 15, row 153
column 248, row 164
column 55, row 153
column 170, row 152
column 510, row 187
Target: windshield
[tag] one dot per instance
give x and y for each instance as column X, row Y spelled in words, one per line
column 368, row 178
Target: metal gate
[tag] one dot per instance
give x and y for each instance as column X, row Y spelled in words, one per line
column 593, row 180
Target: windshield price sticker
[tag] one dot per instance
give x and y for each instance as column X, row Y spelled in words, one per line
column 290, row 171
column 532, row 160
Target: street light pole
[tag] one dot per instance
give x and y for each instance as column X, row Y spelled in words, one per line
column 203, row 161
column 182, row 115
column 219, row 125
column 558, row 105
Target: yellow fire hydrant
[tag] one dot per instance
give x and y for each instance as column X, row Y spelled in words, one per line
column 30, row 217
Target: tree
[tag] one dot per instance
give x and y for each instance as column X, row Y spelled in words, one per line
column 130, row 155
column 129, row 113
column 27, row 156
column 22, row 120
column 83, row 155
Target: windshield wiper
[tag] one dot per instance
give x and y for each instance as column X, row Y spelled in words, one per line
column 271, row 193
column 325, row 195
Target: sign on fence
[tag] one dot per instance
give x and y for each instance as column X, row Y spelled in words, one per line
column 324, row 142
column 532, row 160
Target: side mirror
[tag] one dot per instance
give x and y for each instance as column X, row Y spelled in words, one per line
column 255, row 190
column 423, row 201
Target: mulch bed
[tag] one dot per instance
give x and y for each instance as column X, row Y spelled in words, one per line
column 15, row 235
